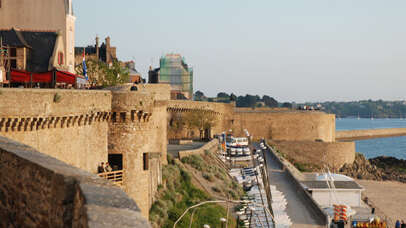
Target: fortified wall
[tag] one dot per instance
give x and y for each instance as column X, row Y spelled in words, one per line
column 69, row 125
column 308, row 136
column 286, row 125
column 84, row 128
column 221, row 113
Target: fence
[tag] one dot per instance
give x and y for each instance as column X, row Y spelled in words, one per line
column 115, row 176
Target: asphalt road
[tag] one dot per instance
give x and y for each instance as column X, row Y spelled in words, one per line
column 300, row 214
column 174, row 149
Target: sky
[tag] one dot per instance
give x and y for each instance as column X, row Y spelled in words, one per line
column 292, row 50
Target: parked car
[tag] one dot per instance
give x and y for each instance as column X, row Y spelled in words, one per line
column 239, row 151
column 246, row 151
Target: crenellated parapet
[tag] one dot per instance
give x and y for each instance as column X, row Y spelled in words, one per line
column 176, row 106
column 22, row 124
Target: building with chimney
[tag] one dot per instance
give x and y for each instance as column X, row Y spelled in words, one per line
column 104, row 52
column 54, row 16
column 174, row 71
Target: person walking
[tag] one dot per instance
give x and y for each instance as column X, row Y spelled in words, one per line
column 403, row 225
column 397, row 225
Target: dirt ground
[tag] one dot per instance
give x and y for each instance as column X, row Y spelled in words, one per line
column 388, row 197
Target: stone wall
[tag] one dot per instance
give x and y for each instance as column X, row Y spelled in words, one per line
column 369, row 134
column 70, row 125
column 278, row 124
column 285, row 125
column 82, row 127
column 138, row 132
column 37, row 190
column 334, row 154
column 221, row 112
column 213, row 144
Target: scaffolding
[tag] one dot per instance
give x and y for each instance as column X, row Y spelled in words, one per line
column 175, row 71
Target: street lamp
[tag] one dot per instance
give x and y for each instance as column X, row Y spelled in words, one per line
column 223, row 221
column 224, row 201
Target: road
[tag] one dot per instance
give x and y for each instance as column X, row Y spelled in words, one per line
column 301, row 215
column 174, row 149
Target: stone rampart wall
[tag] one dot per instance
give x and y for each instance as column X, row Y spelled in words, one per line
column 286, row 125
column 334, row 154
column 160, row 92
column 369, row 134
column 70, row 125
column 40, row 191
column 138, row 132
column 213, row 144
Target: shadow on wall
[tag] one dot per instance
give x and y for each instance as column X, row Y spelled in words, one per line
column 334, row 154
column 38, row 190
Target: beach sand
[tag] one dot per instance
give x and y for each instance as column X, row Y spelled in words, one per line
column 389, row 198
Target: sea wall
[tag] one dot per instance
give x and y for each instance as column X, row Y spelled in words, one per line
column 291, row 172
column 70, row 125
column 37, row 190
column 285, row 125
column 334, row 154
column 369, row 134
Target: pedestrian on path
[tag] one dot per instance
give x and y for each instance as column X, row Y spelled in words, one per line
column 397, row 225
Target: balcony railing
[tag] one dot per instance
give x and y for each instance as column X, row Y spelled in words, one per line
column 115, row 176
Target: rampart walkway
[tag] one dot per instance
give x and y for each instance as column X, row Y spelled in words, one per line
column 352, row 135
column 301, row 215
column 174, row 149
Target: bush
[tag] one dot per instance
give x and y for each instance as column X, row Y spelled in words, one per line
column 195, row 161
column 208, row 177
column 57, row 98
column 215, row 189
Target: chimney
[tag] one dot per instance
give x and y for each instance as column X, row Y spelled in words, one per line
column 108, row 42
column 97, row 47
column 108, row 54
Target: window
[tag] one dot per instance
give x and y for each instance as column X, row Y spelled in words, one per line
column 60, row 58
column 145, row 160
column 13, row 51
column 0, row 4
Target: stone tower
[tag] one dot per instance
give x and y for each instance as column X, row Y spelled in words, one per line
column 137, row 136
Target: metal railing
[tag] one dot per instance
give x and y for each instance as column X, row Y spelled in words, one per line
column 115, row 176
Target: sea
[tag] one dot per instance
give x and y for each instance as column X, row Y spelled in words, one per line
column 392, row 146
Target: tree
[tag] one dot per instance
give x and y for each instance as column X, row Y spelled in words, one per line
column 223, row 95
column 114, row 74
column 199, row 96
column 233, row 97
column 287, row 105
column 101, row 74
column 270, row 101
column 95, row 71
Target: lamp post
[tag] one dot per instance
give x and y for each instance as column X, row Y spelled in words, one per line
column 223, row 201
column 223, row 221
